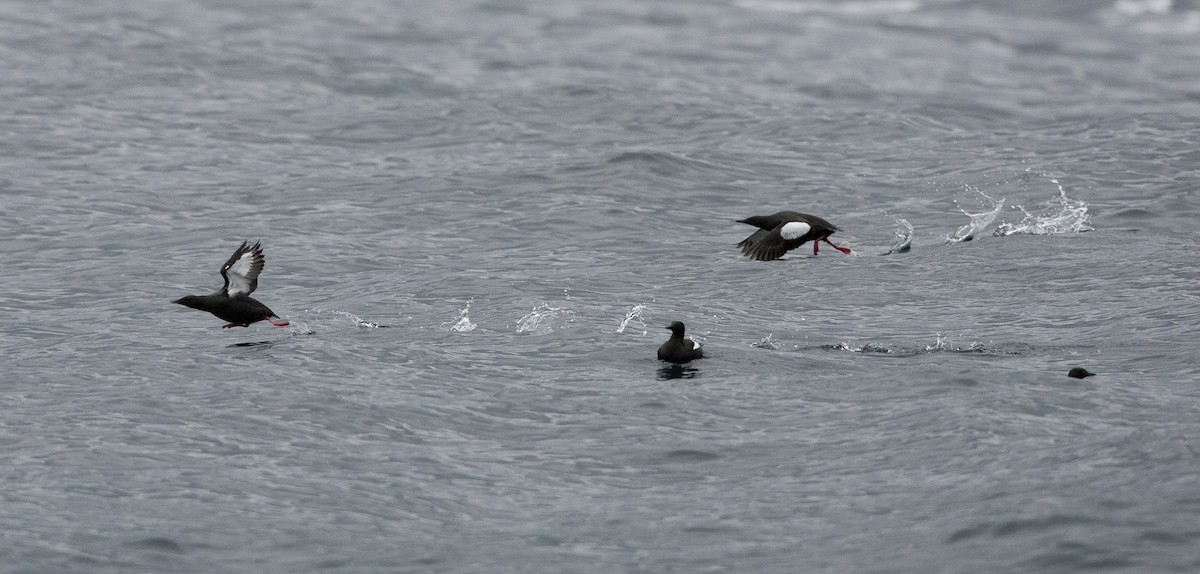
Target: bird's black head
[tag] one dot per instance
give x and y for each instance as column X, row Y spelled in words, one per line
column 676, row 328
column 759, row 221
column 193, row 301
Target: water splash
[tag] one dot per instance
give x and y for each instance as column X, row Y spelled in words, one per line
column 904, row 233
column 634, row 314
column 942, row 343
column 463, row 324
column 301, row 328
column 939, row 344
column 1065, row 215
column 767, row 342
column 545, row 319
column 358, row 321
column 863, row 348
column 978, row 221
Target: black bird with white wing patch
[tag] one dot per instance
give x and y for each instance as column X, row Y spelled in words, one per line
column 677, row 349
column 233, row 302
column 784, row 231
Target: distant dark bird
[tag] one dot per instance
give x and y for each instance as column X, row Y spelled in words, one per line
column 784, row 231
column 1079, row 373
column 677, row 349
column 233, row 302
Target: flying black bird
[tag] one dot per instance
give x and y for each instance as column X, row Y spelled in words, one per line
column 784, row 231
column 233, row 302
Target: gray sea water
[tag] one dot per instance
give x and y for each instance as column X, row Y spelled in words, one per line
column 479, row 216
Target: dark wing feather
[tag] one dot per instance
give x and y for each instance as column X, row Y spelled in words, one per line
column 763, row 245
column 769, row 244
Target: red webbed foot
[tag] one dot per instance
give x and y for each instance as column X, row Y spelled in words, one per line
column 281, row 323
column 845, row 250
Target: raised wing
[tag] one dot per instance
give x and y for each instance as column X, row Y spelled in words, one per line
column 242, row 269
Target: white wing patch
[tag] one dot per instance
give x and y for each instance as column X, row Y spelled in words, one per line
column 793, row 229
column 695, row 344
column 237, row 272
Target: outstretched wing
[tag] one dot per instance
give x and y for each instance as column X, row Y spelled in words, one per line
column 763, row 245
column 242, row 269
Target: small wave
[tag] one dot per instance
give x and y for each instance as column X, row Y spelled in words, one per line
column 864, row 348
column 463, row 324
column 978, row 221
column 1168, row 17
column 849, row 7
column 634, row 314
column 904, row 234
column 1066, row 215
column 159, row 544
column 545, row 319
column 1143, row 7
column 664, row 163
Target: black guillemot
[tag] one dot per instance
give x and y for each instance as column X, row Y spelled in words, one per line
column 779, row 233
column 233, row 302
column 677, row 349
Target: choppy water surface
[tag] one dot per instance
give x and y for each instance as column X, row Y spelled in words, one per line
column 479, row 216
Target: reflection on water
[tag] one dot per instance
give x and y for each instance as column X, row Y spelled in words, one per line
column 677, row 372
column 253, row 344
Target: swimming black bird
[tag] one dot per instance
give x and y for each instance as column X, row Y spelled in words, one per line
column 1079, row 373
column 677, row 349
column 233, row 302
column 784, row 231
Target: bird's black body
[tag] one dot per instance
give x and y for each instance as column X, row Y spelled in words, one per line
column 240, row 311
column 1079, row 373
column 677, row 349
column 781, row 232
column 233, row 302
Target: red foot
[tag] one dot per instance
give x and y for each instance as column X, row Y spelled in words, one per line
column 279, row 324
column 845, row 250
